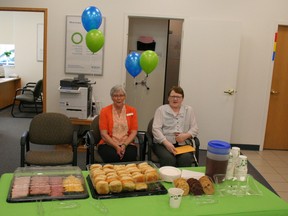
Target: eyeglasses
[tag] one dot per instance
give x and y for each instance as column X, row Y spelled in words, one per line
column 118, row 96
column 176, row 97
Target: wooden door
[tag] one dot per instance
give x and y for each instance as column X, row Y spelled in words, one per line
column 276, row 136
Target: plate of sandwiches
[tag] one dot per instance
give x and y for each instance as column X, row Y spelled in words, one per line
column 119, row 180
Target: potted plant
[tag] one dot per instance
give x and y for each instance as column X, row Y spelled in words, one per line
column 7, row 54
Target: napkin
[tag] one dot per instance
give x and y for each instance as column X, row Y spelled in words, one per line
column 186, row 174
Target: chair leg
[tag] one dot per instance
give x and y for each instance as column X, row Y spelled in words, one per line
column 196, row 161
column 13, row 108
column 35, row 103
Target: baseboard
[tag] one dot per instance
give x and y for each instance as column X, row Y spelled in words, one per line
column 246, row 147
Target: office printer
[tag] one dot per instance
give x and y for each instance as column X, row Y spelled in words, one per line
column 75, row 98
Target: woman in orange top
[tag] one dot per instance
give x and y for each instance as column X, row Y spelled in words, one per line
column 118, row 127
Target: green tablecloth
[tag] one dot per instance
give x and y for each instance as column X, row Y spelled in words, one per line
column 267, row 204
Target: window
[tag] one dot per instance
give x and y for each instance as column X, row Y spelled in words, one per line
column 7, row 54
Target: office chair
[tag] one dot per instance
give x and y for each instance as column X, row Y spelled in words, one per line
column 153, row 157
column 46, row 131
column 93, row 138
column 30, row 94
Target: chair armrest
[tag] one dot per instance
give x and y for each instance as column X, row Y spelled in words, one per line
column 23, row 90
column 197, row 146
column 149, row 140
column 90, row 146
column 142, row 144
column 74, row 147
column 24, row 146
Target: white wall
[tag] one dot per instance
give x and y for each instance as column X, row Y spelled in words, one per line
column 258, row 18
column 22, row 31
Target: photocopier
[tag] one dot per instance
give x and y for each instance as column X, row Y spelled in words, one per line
column 76, row 97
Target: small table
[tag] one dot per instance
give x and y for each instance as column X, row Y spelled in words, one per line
column 87, row 122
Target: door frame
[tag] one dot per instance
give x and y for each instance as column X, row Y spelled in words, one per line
column 45, row 11
column 149, row 111
column 126, row 36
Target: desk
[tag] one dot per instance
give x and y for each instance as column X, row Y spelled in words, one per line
column 83, row 125
column 8, row 88
column 85, row 122
column 268, row 204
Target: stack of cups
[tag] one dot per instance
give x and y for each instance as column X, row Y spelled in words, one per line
column 233, row 158
column 241, row 170
column 237, row 165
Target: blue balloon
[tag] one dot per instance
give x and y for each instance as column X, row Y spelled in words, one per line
column 132, row 64
column 91, row 18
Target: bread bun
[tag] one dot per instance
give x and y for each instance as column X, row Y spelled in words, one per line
column 142, row 164
column 115, row 186
column 96, row 172
column 128, row 185
column 126, row 178
column 99, row 178
column 141, row 186
column 108, row 170
column 95, row 166
column 139, row 178
column 102, row 187
column 151, row 177
column 110, row 166
column 131, row 165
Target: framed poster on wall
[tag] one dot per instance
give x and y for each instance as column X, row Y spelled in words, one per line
column 78, row 58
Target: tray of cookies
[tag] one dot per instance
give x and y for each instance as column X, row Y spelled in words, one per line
column 47, row 183
column 119, row 180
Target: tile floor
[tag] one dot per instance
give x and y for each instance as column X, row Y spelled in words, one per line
column 273, row 166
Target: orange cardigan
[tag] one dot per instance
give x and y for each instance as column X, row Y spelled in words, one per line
column 106, row 120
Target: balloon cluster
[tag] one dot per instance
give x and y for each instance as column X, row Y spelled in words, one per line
column 135, row 62
column 91, row 21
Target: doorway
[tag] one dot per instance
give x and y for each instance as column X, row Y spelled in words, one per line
column 45, row 14
column 276, row 136
column 167, row 34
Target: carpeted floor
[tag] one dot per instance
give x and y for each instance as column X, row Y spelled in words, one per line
column 11, row 130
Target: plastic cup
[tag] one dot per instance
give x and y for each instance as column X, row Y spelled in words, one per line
column 175, row 197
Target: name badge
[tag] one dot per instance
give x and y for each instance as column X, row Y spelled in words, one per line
column 129, row 114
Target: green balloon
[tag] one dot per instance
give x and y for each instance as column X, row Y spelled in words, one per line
column 148, row 61
column 94, row 40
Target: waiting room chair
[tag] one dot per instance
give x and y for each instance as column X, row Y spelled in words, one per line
column 29, row 98
column 46, row 132
column 93, row 138
column 153, row 157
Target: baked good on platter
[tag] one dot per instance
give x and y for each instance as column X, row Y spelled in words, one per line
column 182, row 183
column 207, row 185
column 120, row 177
column 195, row 186
column 115, row 186
column 102, row 187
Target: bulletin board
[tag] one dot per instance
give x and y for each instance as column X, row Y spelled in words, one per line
column 78, row 58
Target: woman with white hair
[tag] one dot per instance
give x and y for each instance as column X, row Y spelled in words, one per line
column 118, row 125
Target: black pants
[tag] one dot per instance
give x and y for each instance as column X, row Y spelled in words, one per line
column 109, row 154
